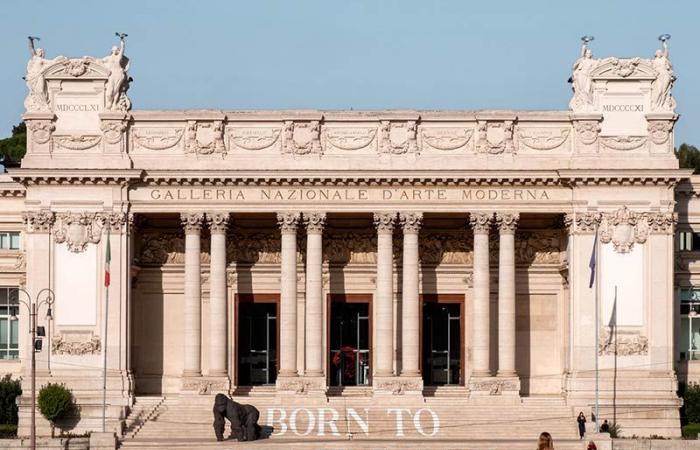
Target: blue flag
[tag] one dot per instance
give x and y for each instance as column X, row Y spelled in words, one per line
column 594, row 259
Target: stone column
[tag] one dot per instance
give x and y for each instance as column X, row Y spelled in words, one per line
column 314, row 293
column 410, row 310
column 218, row 339
column 507, row 223
column 192, row 222
column 481, row 224
column 383, row 302
column 288, row 222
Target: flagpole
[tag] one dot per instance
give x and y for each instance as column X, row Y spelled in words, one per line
column 597, row 332
column 108, row 257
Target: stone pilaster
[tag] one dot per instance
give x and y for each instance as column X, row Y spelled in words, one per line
column 192, row 223
column 288, row 223
column 218, row 342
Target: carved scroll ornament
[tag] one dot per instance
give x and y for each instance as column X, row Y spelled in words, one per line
column 41, row 130
column 446, row 139
column 61, row 345
column 622, row 344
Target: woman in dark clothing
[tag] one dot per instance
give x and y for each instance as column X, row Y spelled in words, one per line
column 581, row 419
column 243, row 418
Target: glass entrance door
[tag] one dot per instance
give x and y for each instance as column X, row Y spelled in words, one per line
column 349, row 333
column 442, row 343
column 257, row 344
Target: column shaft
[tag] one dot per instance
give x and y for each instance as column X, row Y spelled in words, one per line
column 217, row 295
column 288, row 295
column 314, row 293
column 410, row 311
column 383, row 308
column 193, row 295
column 481, row 223
column 507, row 222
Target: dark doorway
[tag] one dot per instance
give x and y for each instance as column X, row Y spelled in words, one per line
column 257, row 343
column 349, row 359
column 442, row 343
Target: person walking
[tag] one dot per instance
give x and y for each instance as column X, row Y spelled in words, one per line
column 581, row 419
column 591, row 446
column 545, row 441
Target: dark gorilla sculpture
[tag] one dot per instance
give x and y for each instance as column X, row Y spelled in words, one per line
column 243, row 418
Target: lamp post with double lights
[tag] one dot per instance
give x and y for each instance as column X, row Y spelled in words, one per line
column 36, row 344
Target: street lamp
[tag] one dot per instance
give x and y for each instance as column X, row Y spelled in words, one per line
column 33, row 309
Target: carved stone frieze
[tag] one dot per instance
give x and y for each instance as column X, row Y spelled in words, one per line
column 79, row 142
column 384, row 221
column 302, row 138
column 539, row 247
column 113, row 130
column 446, row 247
column 623, row 143
column 116, row 221
column 288, row 221
column 622, row 343
column 254, row 138
column 204, row 386
column 494, row 386
column 192, row 221
column 587, row 131
column 481, row 222
column 205, row 138
column 251, row 248
column 623, row 228
column 398, row 138
column 314, row 222
column 495, row 137
column 543, row 138
column 298, row 385
column 162, row 247
column 217, row 221
column 78, row 230
column 38, row 221
column 157, row 138
column 507, row 222
column 398, row 386
column 660, row 131
column 41, row 130
column 411, row 222
column 582, row 222
column 661, row 222
column 446, row 138
column 75, row 344
column 350, row 139
column 350, row 246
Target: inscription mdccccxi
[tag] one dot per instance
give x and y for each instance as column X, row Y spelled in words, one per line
column 261, row 194
column 623, row 108
column 324, row 421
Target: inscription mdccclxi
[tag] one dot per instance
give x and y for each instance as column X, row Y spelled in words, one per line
column 88, row 107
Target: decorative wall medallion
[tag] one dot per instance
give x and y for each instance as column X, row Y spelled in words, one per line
column 205, row 138
column 659, row 131
column 254, row 138
column 349, row 138
column 446, row 138
column 622, row 343
column 587, row 131
column 399, row 138
column 77, row 67
column 543, row 138
column 495, row 137
column 625, row 67
column 302, row 138
column 75, row 344
column 113, row 130
column 623, row 228
column 624, row 143
column 157, row 138
column 41, row 130
column 78, row 230
column 82, row 142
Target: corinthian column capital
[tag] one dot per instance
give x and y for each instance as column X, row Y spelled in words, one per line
column 411, row 222
column 288, row 221
column 218, row 222
column 481, row 222
column 192, row 221
column 315, row 221
column 507, row 222
column 38, row 221
column 384, row 221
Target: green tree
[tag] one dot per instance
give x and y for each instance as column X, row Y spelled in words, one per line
column 14, row 147
column 9, row 390
column 689, row 157
column 55, row 402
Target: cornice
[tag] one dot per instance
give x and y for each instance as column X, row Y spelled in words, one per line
column 28, row 177
column 669, row 177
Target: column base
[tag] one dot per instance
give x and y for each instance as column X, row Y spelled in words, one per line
column 206, row 385
column 490, row 390
column 392, row 386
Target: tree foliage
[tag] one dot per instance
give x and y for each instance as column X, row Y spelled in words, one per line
column 689, row 157
column 9, row 391
column 14, row 147
column 691, row 403
column 55, row 402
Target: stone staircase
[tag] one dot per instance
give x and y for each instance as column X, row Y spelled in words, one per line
column 440, row 421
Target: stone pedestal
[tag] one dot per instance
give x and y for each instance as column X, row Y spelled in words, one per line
column 206, row 385
column 408, row 387
column 494, row 390
column 292, row 389
column 103, row 441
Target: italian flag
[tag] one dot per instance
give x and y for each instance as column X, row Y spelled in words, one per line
column 108, row 259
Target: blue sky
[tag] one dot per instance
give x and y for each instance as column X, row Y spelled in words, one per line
column 362, row 54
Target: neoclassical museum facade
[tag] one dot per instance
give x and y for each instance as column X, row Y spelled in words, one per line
column 391, row 255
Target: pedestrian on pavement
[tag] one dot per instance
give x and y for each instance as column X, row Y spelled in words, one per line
column 545, row 441
column 591, row 446
column 581, row 419
column 605, row 427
